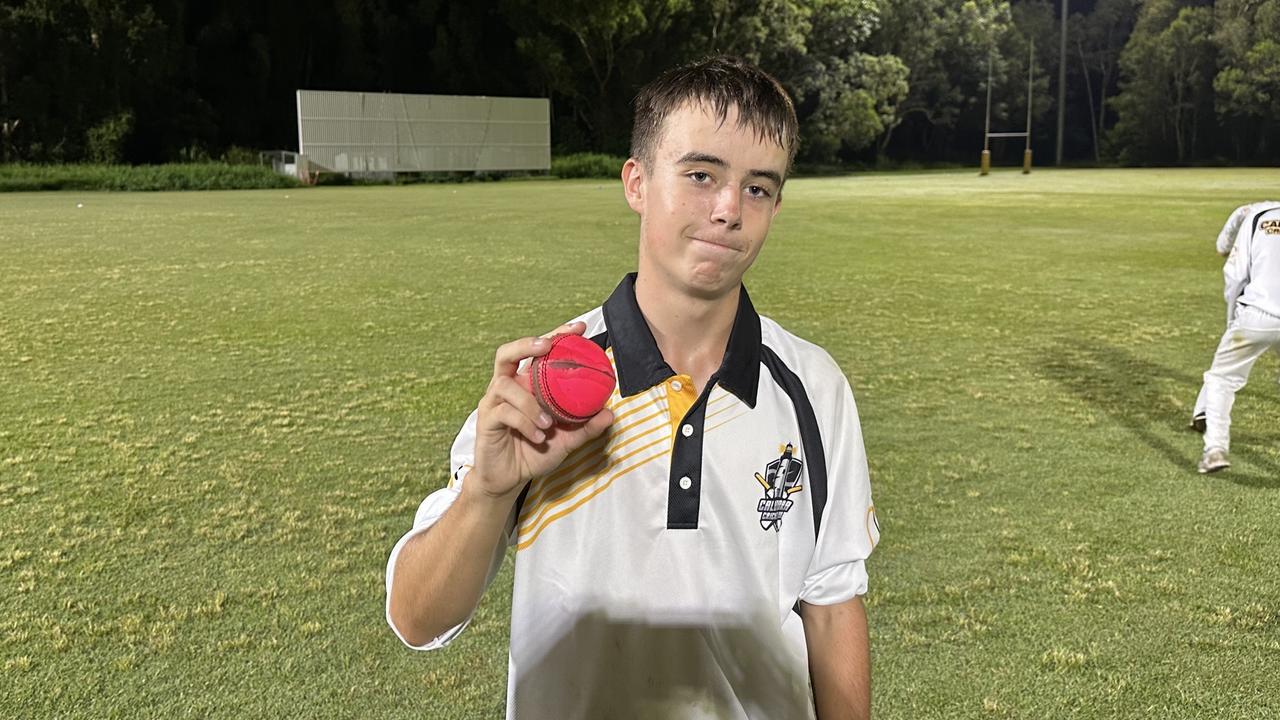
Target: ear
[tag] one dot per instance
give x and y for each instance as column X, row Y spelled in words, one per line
column 777, row 205
column 633, row 184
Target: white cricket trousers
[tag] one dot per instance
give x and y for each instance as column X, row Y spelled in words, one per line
column 1251, row 334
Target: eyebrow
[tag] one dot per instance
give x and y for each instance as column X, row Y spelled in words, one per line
column 698, row 157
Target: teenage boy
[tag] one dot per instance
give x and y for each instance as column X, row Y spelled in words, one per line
column 695, row 550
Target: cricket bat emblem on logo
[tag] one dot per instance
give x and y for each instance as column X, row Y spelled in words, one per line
column 780, row 481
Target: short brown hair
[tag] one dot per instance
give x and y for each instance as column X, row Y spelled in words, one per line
column 722, row 82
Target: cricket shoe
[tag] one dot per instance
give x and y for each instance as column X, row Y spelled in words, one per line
column 1198, row 423
column 1214, row 459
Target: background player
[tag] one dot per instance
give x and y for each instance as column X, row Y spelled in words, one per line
column 1253, row 294
column 1225, row 242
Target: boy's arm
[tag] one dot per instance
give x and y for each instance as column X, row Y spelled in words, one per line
column 839, row 659
column 440, row 574
column 835, row 621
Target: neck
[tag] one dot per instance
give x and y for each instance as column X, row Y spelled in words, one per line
column 692, row 333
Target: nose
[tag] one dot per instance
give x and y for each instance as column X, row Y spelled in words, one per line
column 728, row 208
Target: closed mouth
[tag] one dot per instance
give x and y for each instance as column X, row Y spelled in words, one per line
column 717, row 243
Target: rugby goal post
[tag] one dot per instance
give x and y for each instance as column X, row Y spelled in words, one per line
column 985, row 168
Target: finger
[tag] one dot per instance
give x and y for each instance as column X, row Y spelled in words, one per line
column 524, row 377
column 576, row 327
column 509, row 391
column 508, row 356
column 512, row 419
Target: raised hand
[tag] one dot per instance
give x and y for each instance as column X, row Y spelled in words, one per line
column 515, row 439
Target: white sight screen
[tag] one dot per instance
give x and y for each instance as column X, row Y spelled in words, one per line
column 352, row 132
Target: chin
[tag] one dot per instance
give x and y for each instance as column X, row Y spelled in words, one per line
column 711, row 287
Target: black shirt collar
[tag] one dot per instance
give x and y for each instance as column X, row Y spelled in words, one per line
column 640, row 365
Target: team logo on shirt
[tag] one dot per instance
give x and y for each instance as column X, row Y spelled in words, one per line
column 780, row 481
column 1271, row 227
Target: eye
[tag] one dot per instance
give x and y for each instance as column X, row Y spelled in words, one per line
column 699, row 176
column 756, row 191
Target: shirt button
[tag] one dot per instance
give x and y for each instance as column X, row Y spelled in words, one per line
column 685, row 483
column 676, row 385
column 687, row 430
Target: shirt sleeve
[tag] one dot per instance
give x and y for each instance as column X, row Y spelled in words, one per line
column 849, row 530
column 1227, row 237
column 1235, row 272
column 429, row 512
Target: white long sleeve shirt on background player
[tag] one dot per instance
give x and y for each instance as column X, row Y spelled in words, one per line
column 1252, row 271
column 1227, row 236
column 650, row 583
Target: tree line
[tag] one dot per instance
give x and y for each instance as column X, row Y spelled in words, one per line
column 1147, row 81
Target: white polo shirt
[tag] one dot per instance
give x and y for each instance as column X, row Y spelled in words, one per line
column 658, row 570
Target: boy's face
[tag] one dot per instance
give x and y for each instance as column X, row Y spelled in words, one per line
column 706, row 200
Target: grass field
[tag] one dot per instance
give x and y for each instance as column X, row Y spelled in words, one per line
column 218, row 411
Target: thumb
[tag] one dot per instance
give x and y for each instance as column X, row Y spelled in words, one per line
column 597, row 424
column 577, row 436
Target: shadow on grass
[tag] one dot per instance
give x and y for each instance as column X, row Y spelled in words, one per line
column 1134, row 392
